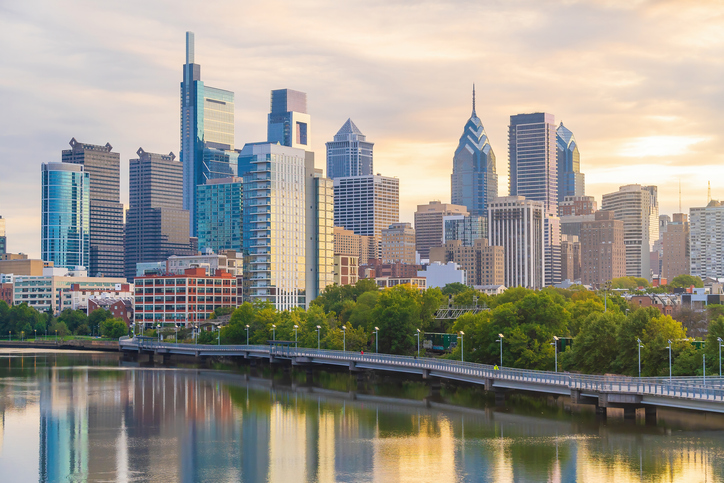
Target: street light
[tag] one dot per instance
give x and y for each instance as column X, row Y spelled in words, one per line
column 295, row 336
column 704, row 365
column 418, row 342
column 274, row 332
column 247, row 334
column 555, row 345
column 638, row 342
column 669, row 360
column 319, row 328
column 720, row 341
column 344, row 338
column 36, row 334
column 56, row 336
column 158, row 329
column 377, row 340
column 462, row 346
column 218, row 337
column 175, row 333
column 501, row 348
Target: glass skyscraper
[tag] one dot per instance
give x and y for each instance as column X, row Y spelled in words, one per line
column 571, row 182
column 65, row 225
column 466, row 229
column 350, row 154
column 207, row 131
column 3, row 240
column 474, row 180
column 288, row 123
column 219, row 205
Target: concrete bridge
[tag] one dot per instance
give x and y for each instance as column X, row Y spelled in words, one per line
column 628, row 393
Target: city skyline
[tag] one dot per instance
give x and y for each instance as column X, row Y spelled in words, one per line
column 636, row 118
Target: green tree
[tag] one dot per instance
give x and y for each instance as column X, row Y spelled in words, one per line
column 82, row 329
column 361, row 314
column 235, row 331
column 113, row 328
column 711, row 348
column 594, row 350
column 454, row 288
column 58, row 328
column 581, row 309
column 397, row 314
column 96, row 317
column 686, row 281
column 73, row 318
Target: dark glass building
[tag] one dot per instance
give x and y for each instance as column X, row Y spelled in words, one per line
column 3, row 239
column 157, row 226
column 106, row 211
column 350, row 154
column 219, row 205
column 65, row 217
column 288, row 123
column 571, row 182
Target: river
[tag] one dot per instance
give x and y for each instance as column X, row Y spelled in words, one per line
column 88, row 417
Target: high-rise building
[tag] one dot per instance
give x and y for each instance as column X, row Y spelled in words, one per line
column 637, row 206
column 319, row 192
column 219, row 204
column 603, row 252
column 571, row 182
column 467, row 229
column 430, row 225
column 274, row 223
column 474, row 180
column 707, row 240
column 207, row 132
column 577, row 205
column 346, row 269
column 516, row 224
column 157, row 226
column 350, row 154
column 3, row 239
column 366, row 204
column 483, row 264
column 398, row 244
column 676, row 248
column 65, row 226
column 289, row 124
column 570, row 258
column 363, row 248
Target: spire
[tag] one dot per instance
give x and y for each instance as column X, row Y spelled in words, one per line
column 190, row 48
column 474, row 115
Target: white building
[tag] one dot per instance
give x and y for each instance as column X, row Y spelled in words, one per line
column 438, row 274
column 706, row 229
column 366, row 204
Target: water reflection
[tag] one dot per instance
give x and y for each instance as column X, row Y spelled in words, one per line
column 81, row 417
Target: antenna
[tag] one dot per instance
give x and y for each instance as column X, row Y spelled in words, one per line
column 473, row 99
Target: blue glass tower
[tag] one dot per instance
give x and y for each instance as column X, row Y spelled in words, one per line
column 350, row 154
column 219, row 205
column 474, row 180
column 571, row 182
column 207, row 131
column 65, row 232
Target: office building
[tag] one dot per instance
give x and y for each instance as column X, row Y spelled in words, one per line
column 319, row 192
column 483, row 264
column 571, row 182
column 65, row 218
column 420, row 283
column 230, row 261
column 366, row 204
column 78, row 295
column 676, row 257
column 517, row 224
column 467, row 229
column 195, row 296
column 207, row 132
column 346, row 269
column 430, row 224
column 289, row 124
column 570, row 258
column 577, row 205
column 707, row 240
column 219, row 205
column 347, row 242
column 603, row 252
column 22, row 266
column 437, row 274
column 474, row 180
column 3, row 238
column 103, row 168
column 637, row 206
column 350, row 154
column 398, row 244
column 157, row 226
column 274, row 220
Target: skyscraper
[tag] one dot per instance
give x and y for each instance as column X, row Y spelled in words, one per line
column 289, row 124
column 3, row 239
column 398, row 244
column 571, row 182
column 350, row 154
column 637, row 206
column 603, row 253
column 207, row 132
column 319, row 240
column 65, row 225
column 430, row 225
column 366, row 204
column 157, row 226
column 474, row 180
column 106, row 211
column 707, row 240
column 676, row 248
column 219, row 204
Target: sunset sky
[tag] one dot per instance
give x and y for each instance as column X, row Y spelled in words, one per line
column 638, row 82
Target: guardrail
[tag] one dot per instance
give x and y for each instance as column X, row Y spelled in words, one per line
column 678, row 387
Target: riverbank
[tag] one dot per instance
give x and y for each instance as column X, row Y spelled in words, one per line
column 73, row 344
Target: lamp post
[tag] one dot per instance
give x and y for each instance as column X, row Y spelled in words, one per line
column 274, row 332
column 175, row 333
column 555, row 346
column 418, row 342
column 295, row 336
column 377, row 340
column 56, row 336
column 319, row 328
column 720, row 341
column 462, row 346
column 669, row 360
column 501, row 348
column 158, row 329
column 247, row 334
column 344, row 338
column 9, row 336
column 218, row 337
column 704, row 366
column 638, row 342
column 36, row 334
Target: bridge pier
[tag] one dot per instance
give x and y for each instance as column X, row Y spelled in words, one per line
column 166, row 359
column 601, row 412
column 650, row 414
column 629, row 412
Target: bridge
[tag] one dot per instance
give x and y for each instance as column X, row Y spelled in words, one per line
column 628, row 393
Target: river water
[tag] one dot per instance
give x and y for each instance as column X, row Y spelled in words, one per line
column 89, row 417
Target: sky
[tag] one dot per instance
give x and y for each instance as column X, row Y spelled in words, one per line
column 638, row 82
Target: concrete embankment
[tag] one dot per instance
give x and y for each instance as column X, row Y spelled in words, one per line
column 75, row 344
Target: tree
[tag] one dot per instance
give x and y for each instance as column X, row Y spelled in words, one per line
column 630, row 283
column 686, row 281
column 59, row 328
column 82, row 329
column 397, row 314
column 73, row 318
column 454, row 288
column 113, row 328
column 361, row 314
column 235, row 331
column 96, row 317
column 594, row 350
column 711, row 348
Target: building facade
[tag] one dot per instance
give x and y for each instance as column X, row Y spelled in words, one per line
column 319, row 193
column 289, row 124
column 474, row 180
column 603, row 251
column 516, row 224
column 577, row 205
column 570, row 258
column 65, row 217
column 430, row 224
column 571, row 182
column 157, row 226
column 483, row 264
column 346, row 269
column 398, row 244
column 467, row 229
column 637, row 206
column 366, row 204
column 347, row 242
column 103, row 167
column 350, row 154
column 220, row 204
column 676, row 259
column 3, row 237
column 707, row 240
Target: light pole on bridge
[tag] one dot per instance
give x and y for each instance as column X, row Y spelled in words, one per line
column 344, row 338
column 274, row 332
column 319, row 328
column 418, row 342
column 501, row 349
column 377, row 340
column 555, row 345
column 638, row 343
column 720, row 341
column 295, row 336
column 462, row 346
column 247, row 334
column 669, row 360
